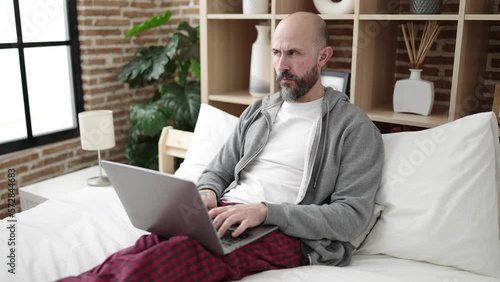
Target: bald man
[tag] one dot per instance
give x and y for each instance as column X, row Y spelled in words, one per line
column 304, row 159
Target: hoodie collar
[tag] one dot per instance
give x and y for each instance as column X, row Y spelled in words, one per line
column 330, row 99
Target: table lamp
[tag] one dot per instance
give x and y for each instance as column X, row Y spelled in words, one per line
column 97, row 133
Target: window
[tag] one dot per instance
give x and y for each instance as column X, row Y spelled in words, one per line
column 40, row 84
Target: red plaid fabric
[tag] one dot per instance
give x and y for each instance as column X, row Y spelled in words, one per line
column 180, row 258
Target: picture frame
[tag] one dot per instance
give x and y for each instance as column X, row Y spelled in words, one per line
column 338, row 80
column 496, row 103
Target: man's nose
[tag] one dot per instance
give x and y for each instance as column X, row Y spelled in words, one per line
column 282, row 64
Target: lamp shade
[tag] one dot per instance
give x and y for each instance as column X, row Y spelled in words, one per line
column 97, row 131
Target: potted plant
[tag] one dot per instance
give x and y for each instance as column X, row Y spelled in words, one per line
column 175, row 69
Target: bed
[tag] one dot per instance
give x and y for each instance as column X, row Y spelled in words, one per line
column 440, row 222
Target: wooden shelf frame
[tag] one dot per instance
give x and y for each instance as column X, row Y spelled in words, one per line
column 227, row 35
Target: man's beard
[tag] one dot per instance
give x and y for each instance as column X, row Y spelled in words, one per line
column 289, row 92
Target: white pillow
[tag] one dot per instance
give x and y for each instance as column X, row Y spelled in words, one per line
column 377, row 211
column 212, row 129
column 441, row 192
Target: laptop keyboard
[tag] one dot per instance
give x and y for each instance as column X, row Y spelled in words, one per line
column 228, row 239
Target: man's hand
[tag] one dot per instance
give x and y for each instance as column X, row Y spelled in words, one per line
column 209, row 198
column 244, row 215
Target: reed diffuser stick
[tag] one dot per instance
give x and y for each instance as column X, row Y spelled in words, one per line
column 429, row 34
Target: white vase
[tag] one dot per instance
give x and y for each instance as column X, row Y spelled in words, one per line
column 334, row 8
column 413, row 95
column 255, row 7
column 260, row 63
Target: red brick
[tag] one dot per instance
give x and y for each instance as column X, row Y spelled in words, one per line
column 109, row 41
column 99, row 12
column 16, row 161
column 60, row 147
column 51, row 160
column 104, row 89
column 190, row 11
column 42, row 174
column 142, row 41
column 100, row 32
column 138, row 14
column 107, row 79
column 100, row 71
column 89, row 81
column 103, row 3
column 85, row 42
column 94, row 62
column 102, row 50
column 143, row 5
column 84, row 161
column 85, row 22
column 111, row 22
column 18, row 171
column 91, row 103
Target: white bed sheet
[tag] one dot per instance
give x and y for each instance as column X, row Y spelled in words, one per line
column 373, row 268
column 71, row 234
column 68, row 235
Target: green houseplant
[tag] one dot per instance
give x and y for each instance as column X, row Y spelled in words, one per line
column 174, row 69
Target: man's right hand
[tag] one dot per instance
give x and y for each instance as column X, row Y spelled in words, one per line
column 209, row 198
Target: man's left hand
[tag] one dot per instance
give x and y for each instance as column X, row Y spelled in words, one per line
column 244, row 215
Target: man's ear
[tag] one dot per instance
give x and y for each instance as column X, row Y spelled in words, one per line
column 324, row 55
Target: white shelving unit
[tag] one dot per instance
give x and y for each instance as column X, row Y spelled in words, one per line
column 227, row 36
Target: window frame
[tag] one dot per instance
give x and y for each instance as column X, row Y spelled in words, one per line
column 74, row 49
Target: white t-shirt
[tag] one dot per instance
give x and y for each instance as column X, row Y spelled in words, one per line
column 275, row 174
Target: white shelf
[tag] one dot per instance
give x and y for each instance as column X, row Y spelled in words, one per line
column 408, row 17
column 241, row 97
column 438, row 117
column 482, row 17
column 238, row 17
column 329, row 17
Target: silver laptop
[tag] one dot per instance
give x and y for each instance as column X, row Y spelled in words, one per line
column 168, row 206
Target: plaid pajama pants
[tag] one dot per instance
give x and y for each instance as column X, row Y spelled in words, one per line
column 180, row 258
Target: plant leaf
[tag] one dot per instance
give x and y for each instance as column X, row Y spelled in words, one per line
column 149, row 65
column 193, row 32
column 142, row 150
column 195, row 68
column 160, row 61
column 148, row 24
column 183, row 103
column 149, row 118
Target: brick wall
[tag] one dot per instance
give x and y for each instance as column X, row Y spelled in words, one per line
column 102, row 25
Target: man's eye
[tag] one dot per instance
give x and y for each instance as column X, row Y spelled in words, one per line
column 276, row 53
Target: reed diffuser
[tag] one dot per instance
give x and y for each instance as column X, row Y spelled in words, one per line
column 414, row 95
column 429, row 35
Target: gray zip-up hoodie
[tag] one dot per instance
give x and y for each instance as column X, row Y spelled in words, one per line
column 342, row 175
